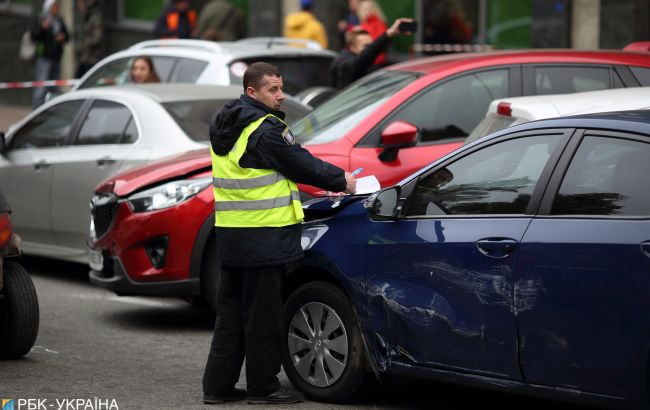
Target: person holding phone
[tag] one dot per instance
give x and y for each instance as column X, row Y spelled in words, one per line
column 356, row 60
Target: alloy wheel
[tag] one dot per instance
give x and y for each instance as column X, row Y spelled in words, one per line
column 318, row 344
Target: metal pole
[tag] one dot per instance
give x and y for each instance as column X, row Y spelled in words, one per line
column 481, row 37
column 419, row 17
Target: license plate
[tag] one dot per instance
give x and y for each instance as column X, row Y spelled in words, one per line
column 96, row 260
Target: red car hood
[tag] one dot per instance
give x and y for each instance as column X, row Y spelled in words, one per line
column 173, row 167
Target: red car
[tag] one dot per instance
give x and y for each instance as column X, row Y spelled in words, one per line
column 152, row 225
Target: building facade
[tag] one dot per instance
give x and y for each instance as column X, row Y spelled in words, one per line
column 500, row 24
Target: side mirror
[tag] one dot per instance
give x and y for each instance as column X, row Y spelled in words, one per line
column 398, row 134
column 385, row 203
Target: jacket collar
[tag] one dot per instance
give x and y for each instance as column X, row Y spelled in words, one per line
column 262, row 106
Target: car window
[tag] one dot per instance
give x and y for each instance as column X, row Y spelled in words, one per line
column 567, row 79
column 131, row 132
column 187, row 71
column 298, row 72
column 105, row 123
column 451, row 109
column 497, row 179
column 118, row 72
column 50, row 128
column 607, row 176
column 338, row 115
column 642, row 74
column 195, row 117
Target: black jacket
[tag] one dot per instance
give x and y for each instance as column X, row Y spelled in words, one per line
column 271, row 146
column 349, row 67
column 48, row 47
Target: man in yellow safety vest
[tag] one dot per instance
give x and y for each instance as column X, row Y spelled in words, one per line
column 256, row 164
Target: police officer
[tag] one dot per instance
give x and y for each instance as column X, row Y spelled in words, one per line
column 256, row 164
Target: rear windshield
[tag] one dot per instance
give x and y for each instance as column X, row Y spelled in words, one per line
column 491, row 123
column 168, row 70
column 195, row 117
column 338, row 115
column 298, row 72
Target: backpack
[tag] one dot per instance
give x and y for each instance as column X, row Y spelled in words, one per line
column 27, row 46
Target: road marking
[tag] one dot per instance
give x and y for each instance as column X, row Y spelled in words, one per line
column 43, row 349
column 132, row 300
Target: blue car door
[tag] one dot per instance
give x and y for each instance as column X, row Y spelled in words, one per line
column 440, row 277
column 583, row 280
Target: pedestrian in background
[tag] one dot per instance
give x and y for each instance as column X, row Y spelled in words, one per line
column 176, row 21
column 256, row 164
column 219, row 20
column 90, row 42
column 350, row 21
column 303, row 24
column 373, row 21
column 143, row 71
column 356, row 60
column 50, row 34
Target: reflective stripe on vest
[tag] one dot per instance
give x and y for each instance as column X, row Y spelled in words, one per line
column 250, row 197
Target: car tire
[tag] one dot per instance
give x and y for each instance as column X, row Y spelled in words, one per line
column 329, row 363
column 209, row 278
column 19, row 315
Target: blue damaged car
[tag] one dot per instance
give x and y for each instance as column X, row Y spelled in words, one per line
column 520, row 262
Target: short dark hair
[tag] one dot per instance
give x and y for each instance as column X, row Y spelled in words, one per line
column 254, row 75
column 351, row 36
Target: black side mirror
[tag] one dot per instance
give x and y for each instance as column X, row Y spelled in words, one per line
column 3, row 143
column 385, row 203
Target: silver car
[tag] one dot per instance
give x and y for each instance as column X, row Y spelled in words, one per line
column 53, row 159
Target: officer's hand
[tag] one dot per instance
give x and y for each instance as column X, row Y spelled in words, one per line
column 394, row 29
column 350, row 183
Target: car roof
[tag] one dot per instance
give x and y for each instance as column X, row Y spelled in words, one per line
column 635, row 121
column 556, row 105
column 165, row 92
column 427, row 65
column 259, row 46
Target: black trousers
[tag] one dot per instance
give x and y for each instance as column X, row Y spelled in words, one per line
column 249, row 324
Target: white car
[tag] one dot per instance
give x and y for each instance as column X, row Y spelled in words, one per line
column 52, row 160
column 303, row 63
column 507, row 112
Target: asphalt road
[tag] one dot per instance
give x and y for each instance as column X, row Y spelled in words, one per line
column 149, row 353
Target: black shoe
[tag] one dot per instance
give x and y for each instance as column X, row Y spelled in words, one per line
column 281, row 396
column 234, row 395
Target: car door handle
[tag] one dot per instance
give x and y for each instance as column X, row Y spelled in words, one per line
column 645, row 247
column 105, row 161
column 496, row 247
column 41, row 165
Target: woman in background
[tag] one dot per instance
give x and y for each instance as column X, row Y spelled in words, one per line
column 373, row 21
column 143, row 71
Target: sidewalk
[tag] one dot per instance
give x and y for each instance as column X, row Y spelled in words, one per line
column 9, row 114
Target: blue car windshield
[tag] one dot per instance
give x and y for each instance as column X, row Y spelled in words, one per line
column 332, row 120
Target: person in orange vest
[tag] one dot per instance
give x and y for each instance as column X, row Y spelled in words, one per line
column 176, row 21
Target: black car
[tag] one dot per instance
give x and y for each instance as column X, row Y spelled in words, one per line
column 18, row 301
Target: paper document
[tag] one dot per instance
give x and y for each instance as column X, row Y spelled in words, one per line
column 367, row 185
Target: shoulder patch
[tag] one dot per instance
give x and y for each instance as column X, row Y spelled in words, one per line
column 287, row 136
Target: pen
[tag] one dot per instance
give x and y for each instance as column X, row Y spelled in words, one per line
column 356, row 171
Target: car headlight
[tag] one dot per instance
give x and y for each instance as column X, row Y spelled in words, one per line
column 311, row 235
column 167, row 195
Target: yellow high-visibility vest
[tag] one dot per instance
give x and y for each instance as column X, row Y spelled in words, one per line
column 250, row 197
